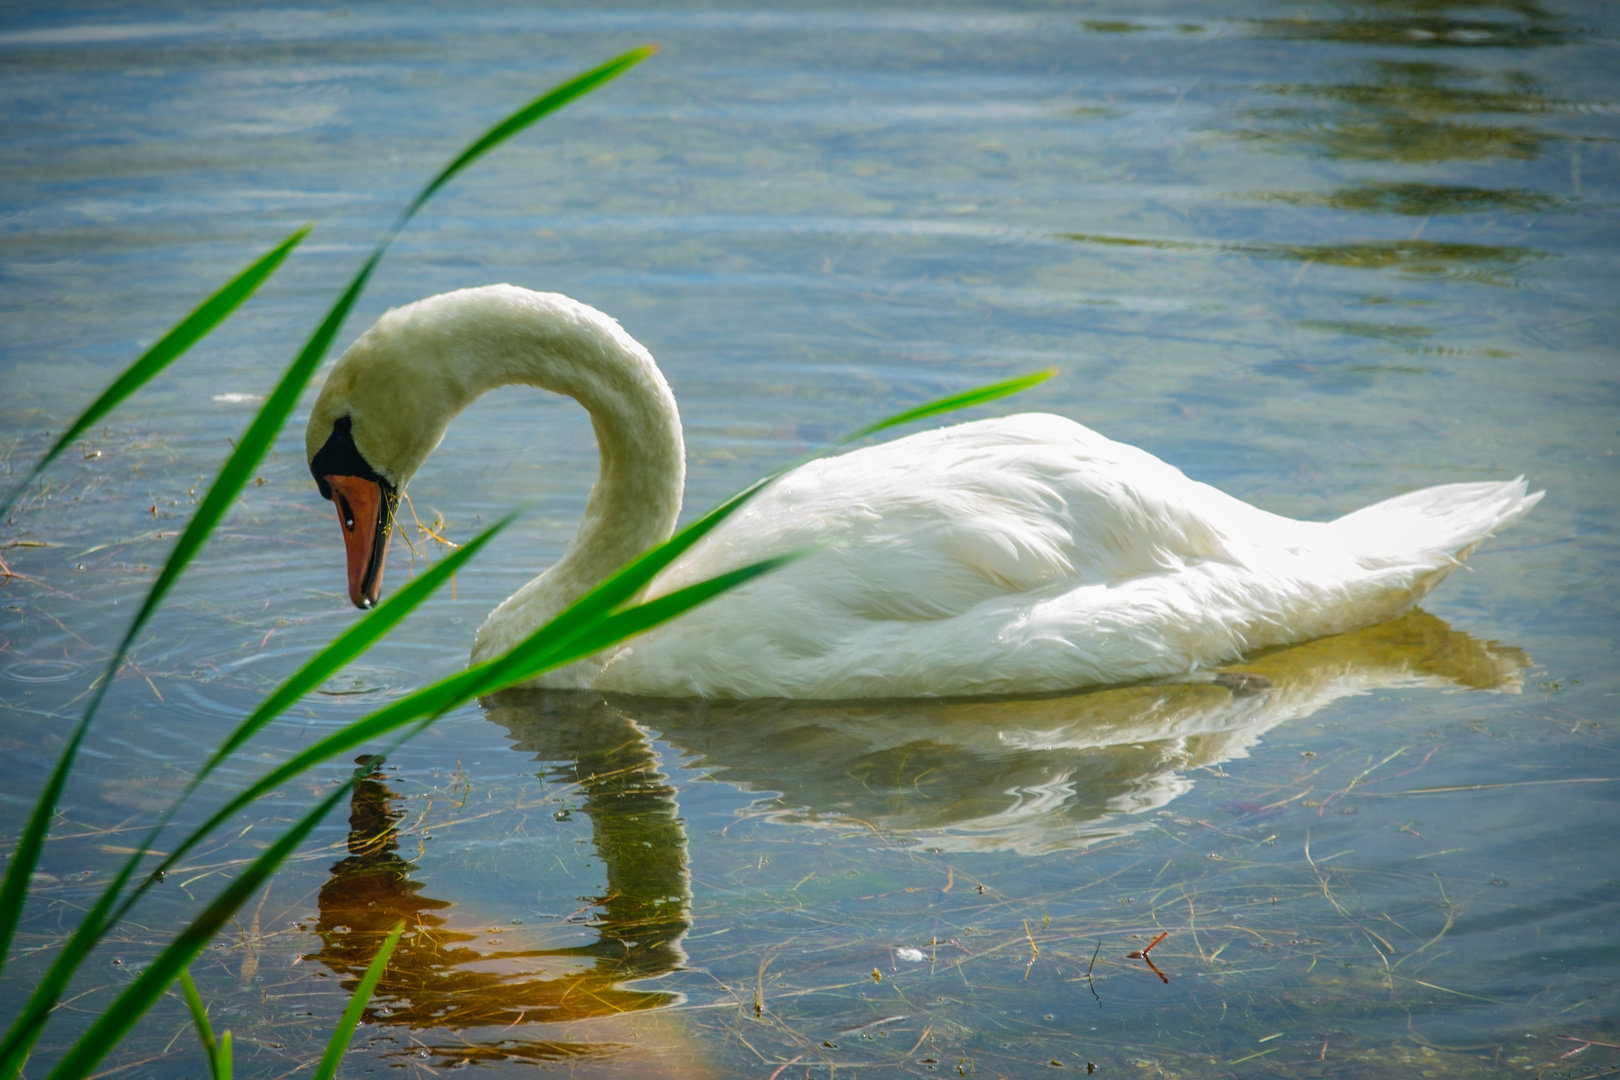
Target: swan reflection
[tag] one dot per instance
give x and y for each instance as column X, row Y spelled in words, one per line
column 465, row 977
column 1030, row 776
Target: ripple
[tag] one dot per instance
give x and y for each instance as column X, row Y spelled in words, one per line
column 42, row 670
column 366, row 683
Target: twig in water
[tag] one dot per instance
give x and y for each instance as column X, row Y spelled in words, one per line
column 1143, row 954
column 1091, row 983
column 784, row 1065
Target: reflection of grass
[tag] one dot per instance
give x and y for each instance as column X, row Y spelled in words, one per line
column 1429, row 23
column 1426, row 88
column 1422, row 200
column 1484, row 263
column 1380, row 331
column 1402, row 138
column 1411, row 111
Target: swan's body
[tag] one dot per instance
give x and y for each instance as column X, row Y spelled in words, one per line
column 1016, row 555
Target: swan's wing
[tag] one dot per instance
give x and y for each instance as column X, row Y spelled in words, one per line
column 983, row 558
column 933, row 525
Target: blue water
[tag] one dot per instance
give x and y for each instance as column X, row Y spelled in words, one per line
column 1314, row 254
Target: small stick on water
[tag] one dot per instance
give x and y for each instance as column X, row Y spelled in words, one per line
column 1143, row 954
column 784, row 1065
column 1091, row 983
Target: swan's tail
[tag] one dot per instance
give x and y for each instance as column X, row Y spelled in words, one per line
column 1437, row 527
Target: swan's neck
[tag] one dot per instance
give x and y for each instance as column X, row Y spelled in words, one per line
column 636, row 499
column 505, row 336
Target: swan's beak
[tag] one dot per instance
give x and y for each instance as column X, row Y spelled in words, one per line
column 366, row 512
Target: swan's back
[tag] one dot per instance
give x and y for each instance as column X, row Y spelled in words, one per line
column 1027, row 554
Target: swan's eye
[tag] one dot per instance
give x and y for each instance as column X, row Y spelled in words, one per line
column 348, row 512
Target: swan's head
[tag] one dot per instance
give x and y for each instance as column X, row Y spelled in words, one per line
column 383, row 410
column 389, row 398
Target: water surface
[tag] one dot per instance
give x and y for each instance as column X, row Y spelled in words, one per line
column 1315, row 254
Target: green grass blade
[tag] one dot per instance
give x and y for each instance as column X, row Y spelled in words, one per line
column 635, row 575
column 964, row 400
column 357, row 1005
column 350, row 644
column 627, row 623
column 250, row 448
column 240, row 465
column 19, row 1040
column 430, row 702
column 550, row 101
column 199, row 1018
column 190, row 330
column 14, row 891
column 115, row 1022
column 222, row 1061
column 253, row 444
column 536, row 654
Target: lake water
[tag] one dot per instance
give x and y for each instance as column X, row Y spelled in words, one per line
column 1316, row 254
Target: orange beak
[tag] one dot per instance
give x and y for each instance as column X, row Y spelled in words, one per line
column 366, row 514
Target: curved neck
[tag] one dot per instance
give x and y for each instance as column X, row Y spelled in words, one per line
column 506, row 335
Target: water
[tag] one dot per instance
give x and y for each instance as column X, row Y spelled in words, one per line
column 1314, row 254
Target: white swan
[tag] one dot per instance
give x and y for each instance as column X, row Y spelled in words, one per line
column 1018, row 555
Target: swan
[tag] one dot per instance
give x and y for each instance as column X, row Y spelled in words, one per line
column 1024, row 554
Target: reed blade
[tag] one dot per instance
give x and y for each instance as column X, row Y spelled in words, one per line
column 19, row 1040
column 964, row 400
column 350, row 644
column 232, row 478
column 549, row 102
column 540, row 652
column 186, row 333
column 357, row 1005
column 199, row 1020
column 239, row 467
column 161, row 972
column 25, row 1029
column 634, row 576
column 622, row 625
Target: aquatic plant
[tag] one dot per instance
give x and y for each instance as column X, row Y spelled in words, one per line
column 218, row 1049
column 607, row 614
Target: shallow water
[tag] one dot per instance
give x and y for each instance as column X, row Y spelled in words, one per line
column 1314, row 254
